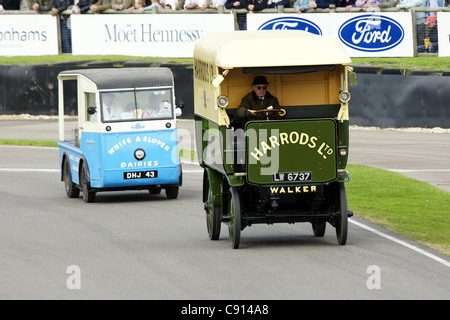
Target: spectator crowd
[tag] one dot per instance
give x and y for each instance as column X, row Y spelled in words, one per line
column 82, row 6
column 426, row 26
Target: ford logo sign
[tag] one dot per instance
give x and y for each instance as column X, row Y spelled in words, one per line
column 291, row 23
column 371, row 33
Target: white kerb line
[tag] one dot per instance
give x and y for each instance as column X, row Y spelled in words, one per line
column 403, row 243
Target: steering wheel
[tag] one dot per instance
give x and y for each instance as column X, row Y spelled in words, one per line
column 281, row 112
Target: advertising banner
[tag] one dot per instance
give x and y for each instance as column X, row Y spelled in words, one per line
column 386, row 34
column 28, row 35
column 156, row 35
column 443, row 19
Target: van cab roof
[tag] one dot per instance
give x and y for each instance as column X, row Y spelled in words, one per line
column 122, row 78
column 284, row 47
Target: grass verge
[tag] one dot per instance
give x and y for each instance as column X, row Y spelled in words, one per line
column 409, row 207
column 35, row 143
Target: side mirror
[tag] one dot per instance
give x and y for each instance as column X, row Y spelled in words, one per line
column 178, row 112
column 179, row 104
column 92, row 110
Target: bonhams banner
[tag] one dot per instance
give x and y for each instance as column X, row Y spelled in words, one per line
column 386, row 34
column 156, row 35
column 28, row 35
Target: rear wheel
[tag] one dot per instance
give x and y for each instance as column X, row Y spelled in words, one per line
column 88, row 195
column 72, row 190
column 172, row 192
column 342, row 217
column 319, row 228
column 234, row 214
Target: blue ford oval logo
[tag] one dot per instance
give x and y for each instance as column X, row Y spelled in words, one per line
column 291, row 23
column 371, row 33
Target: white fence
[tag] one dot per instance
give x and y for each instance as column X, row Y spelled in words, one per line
column 174, row 33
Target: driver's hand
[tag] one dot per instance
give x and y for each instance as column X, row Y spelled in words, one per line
column 248, row 114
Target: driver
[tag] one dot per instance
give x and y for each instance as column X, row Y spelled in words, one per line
column 258, row 99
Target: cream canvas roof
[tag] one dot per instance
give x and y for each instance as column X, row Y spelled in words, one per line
column 269, row 48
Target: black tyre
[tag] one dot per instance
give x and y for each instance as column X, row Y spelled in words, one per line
column 72, row 190
column 172, row 192
column 319, row 228
column 234, row 214
column 342, row 218
column 213, row 211
column 88, row 194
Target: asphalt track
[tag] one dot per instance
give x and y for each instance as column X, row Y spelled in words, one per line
column 131, row 245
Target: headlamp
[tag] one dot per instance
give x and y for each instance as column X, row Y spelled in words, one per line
column 344, row 96
column 222, row 101
column 139, row 154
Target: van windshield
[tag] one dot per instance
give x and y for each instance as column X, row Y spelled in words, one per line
column 137, row 105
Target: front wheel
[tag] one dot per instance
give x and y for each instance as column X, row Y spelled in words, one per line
column 342, row 217
column 213, row 211
column 234, row 214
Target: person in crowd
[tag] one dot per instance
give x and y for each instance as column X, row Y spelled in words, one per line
column 385, row 3
column 195, row 4
column 58, row 6
column 236, row 4
column 364, row 4
column 256, row 5
column 9, row 5
column 250, row 5
column 26, row 5
column 169, row 4
column 138, row 5
column 427, row 36
column 258, row 99
column 406, row 4
column 154, row 4
column 303, row 5
column 215, row 4
column 120, row 5
column 82, row 6
column 324, row 4
column 276, row 3
column 101, row 5
column 347, row 4
column 41, row 5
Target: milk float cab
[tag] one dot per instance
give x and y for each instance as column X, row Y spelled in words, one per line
column 125, row 137
column 279, row 163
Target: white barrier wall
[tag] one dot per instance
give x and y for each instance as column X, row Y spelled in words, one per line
column 363, row 34
column 444, row 33
column 387, row 34
column 168, row 35
column 28, row 35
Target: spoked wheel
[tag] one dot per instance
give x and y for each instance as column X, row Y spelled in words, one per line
column 72, row 190
column 234, row 214
column 213, row 211
column 342, row 217
column 319, row 228
column 88, row 195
